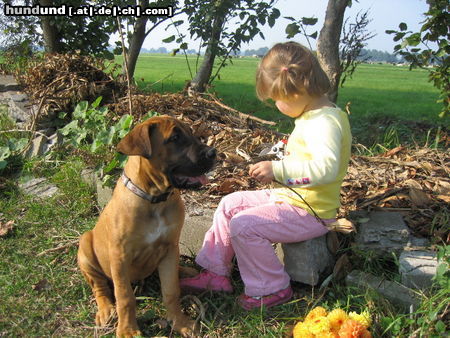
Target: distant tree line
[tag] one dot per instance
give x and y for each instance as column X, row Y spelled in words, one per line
column 366, row 55
column 374, row 55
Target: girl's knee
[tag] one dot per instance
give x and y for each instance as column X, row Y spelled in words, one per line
column 230, row 202
column 241, row 225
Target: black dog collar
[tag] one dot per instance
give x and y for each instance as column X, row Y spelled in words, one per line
column 141, row 193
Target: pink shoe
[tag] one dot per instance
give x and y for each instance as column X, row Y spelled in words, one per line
column 206, row 281
column 277, row 298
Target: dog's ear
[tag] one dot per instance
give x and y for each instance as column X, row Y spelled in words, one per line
column 137, row 142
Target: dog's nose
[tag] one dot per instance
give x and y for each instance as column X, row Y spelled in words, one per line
column 211, row 153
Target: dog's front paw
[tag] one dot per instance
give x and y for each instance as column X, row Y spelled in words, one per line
column 128, row 333
column 105, row 315
column 186, row 327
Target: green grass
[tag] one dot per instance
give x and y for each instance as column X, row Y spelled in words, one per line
column 43, row 293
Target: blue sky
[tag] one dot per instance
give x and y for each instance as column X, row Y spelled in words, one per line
column 385, row 14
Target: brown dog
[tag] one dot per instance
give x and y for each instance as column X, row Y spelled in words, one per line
column 139, row 229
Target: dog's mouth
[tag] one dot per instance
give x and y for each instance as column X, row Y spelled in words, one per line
column 188, row 182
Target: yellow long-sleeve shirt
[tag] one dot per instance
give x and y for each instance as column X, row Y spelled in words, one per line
column 316, row 161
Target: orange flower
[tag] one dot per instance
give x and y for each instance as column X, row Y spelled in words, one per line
column 351, row 329
column 316, row 312
column 366, row 334
column 337, row 317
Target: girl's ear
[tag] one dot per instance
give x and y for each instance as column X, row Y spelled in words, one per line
column 137, row 142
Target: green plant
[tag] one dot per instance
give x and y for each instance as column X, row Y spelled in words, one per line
column 12, row 143
column 90, row 125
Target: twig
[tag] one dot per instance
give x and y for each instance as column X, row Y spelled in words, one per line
column 241, row 115
column 62, row 247
column 125, row 60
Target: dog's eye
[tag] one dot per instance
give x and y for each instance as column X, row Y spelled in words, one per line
column 174, row 138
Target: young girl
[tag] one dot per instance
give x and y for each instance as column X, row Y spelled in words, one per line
column 246, row 223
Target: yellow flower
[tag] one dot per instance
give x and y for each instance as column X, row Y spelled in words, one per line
column 319, row 325
column 363, row 318
column 301, row 330
column 337, row 317
column 316, row 312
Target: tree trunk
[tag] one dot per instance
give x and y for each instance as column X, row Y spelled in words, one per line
column 137, row 40
column 201, row 79
column 328, row 44
column 50, row 31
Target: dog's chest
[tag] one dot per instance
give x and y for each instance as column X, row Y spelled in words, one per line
column 159, row 229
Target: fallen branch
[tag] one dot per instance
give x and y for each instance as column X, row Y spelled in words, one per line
column 62, row 247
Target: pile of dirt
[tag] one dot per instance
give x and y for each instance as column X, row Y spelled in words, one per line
column 414, row 182
column 57, row 82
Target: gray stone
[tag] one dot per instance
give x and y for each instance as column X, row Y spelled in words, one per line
column 307, row 262
column 53, row 141
column 89, row 176
column 20, row 97
column 104, row 193
column 385, row 232
column 417, row 268
column 37, row 146
column 398, row 294
column 38, row 187
column 193, row 232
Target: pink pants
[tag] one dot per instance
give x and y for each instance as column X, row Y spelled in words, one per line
column 245, row 224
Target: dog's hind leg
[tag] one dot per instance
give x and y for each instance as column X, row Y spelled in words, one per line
column 97, row 280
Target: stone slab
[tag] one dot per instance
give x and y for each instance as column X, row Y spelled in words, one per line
column 385, row 232
column 104, row 194
column 193, row 232
column 309, row 261
column 38, row 187
column 417, row 268
column 398, row 294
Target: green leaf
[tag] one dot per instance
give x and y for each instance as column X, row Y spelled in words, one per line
column 440, row 327
column 292, row 29
column 313, row 35
column 309, row 21
column 169, row 39
column 67, row 129
column 3, row 164
column 413, row 39
column 96, row 103
column 4, row 153
column 403, row 26
column 80, row 110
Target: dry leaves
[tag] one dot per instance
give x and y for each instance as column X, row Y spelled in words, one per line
column 6, row 228
column 60, row 81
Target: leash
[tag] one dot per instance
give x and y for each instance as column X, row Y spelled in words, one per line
column 341, row 225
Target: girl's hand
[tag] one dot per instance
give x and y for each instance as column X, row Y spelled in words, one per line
column 262, row 171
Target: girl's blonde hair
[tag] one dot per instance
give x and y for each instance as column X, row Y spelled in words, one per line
column 290, row 69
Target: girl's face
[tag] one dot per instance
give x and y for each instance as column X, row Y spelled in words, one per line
column 295, row 107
